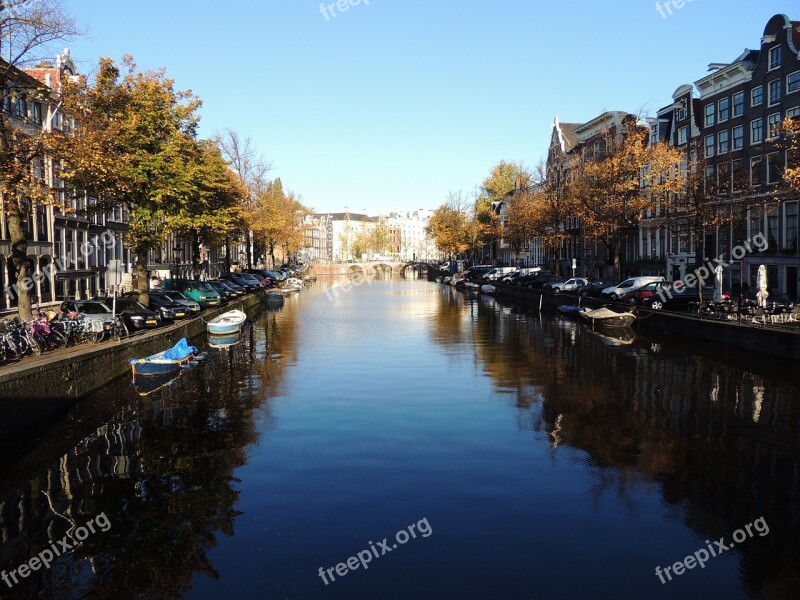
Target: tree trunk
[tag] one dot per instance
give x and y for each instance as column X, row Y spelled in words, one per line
column 227, row 256
column 699, row 252
column 142, row 280
column 249, row 249
column 19, row 259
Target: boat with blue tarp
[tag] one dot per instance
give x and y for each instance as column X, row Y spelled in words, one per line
column 164, row 362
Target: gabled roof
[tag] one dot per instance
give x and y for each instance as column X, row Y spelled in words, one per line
column 347, row 217
column 565, row 135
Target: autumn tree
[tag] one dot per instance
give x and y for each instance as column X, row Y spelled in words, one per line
column 128, row 151
column 449, row 226
column 212, row 199
column 613, row 191
column 28, row 31
column 791, row 176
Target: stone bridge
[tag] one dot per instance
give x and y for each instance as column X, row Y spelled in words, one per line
column 371, row 269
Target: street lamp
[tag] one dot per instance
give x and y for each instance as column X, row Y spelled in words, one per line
column 178, row 254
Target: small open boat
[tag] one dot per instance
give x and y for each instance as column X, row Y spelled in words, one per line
column 571, row 311
column 488, row 289
column 229, row 322
column 607, row 318
column 164, row 362
column 274, row 297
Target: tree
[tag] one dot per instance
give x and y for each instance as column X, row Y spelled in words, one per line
column 212, row 201
column 613, row 191
column 792, row 174
column 449, row 226
column 251, row 169
column 128, row 151
column 28, row 31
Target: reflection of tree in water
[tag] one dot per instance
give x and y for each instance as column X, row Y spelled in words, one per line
column 719, row 438
column 161, row 468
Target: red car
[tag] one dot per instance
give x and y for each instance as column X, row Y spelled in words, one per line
column 638, row 295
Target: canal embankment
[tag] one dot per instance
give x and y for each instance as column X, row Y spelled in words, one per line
column 778, row 341
column 39, row 388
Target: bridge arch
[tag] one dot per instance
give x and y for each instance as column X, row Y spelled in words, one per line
column 382, row 270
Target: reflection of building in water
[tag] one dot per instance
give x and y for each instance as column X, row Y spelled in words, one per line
column 719, row 440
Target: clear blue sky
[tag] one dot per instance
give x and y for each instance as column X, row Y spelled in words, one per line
column 393, row 104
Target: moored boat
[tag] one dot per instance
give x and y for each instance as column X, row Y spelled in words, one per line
column 221, row 342
column 164, row 362
column 226, row 323
column 571, row 311
column 607, row 317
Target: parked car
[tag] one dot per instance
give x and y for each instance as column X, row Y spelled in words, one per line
column 248, row 282
column 636, row 296
column 476, row 272
column 162, row 305
column 531, row 277
column 678, row 297
column 192, row 306
column 268, row 277
column 567, row 285
column 135, row 315
column 237, row 290
column 226, row 293
column 498, row 273
column 95, row 309
column 199, row 291
column 615, row 292
column 539, row 282
column 512, row 277
column 594, row 289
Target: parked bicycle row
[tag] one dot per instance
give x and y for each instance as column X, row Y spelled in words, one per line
column 108, row 317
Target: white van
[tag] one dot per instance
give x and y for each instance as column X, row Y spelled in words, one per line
column 634, row 283
column 499, row 273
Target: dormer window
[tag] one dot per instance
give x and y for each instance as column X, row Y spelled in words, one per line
column 774, row 58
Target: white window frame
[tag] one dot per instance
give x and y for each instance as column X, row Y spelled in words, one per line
column 710, row 116
column 733, row 107
column 770, row 100
column 773, row 66
column 713, row 139
column 768, row 180
column 752, row 129
column 719, row 109
column 720, row 134
column 797, row 83
column 771, row 120
column 741, row 138
column 793, row 113
column 760, row 89
column 683, row 135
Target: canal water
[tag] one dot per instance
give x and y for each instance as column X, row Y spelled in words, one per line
column 455, row 446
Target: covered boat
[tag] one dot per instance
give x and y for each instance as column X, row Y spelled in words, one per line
column 226, row 323
column 274, row 297
column 607, row 318
column 571, row 311
column 488, row 289
column 164, row 362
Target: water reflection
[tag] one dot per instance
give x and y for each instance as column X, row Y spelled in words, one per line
column 719, row 439
column 160, row 466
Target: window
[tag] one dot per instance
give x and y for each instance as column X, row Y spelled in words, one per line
column 756, row 131
column 682, row 113
column 724, row 178
column 21, row 109
column 793, row 82
column 755, row 225
column 773, row 167
column 773, row 125
column 774, row 92
column 757, row 96
column 793, row 113
column 738, row 137
column 772, row 228
column 654, row 134
column 682, row 135
column 790, row 226
column 756, row 172
column 710, row 145
column 738, row 104
column 709, row 115
column 710, row 178
column 724, row 142
column 724, row 109
column 737, row 172
column 36, row 112
column 57, row 120
column 774, row 58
